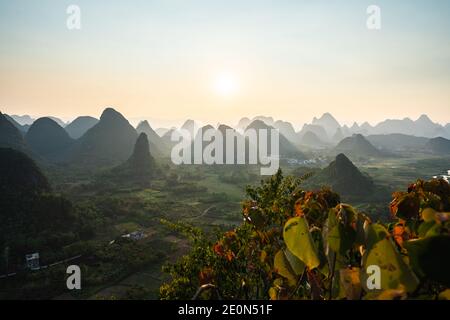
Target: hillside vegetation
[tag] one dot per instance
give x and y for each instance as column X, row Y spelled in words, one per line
column 296, row 244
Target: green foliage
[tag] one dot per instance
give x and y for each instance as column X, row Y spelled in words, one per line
column 113, row 261
column 295, row 244
column 299, row 241
column 394, row 271
column 288, row 265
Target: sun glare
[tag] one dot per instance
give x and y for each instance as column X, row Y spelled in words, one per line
column 226, row 84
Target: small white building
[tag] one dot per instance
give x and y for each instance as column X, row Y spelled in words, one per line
column 135, row 235
column 32, row 261
column 445, row 177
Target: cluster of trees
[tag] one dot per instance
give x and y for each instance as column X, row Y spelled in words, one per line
column 101, row 263
column 110, row 262
column 295, row 244
column 33, row 218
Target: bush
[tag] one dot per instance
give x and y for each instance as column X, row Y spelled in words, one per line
column 295, row 244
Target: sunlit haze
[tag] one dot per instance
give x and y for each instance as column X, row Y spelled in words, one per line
column 213, row 61
column 226, row 85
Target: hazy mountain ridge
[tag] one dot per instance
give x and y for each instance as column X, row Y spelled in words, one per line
column 287, row 149
column 111, row 139
column 318, row 130
column 80, row 126
column 328, row 122
column 311, row 140
column 422, row 127
column 286, row 129
column 23, row 120
column 10, row 136
column 22, row 128
column 158, row 145
column 140, row 166
column 48, row 139
column 397, row 142
column 357, row 146
column 438, row 145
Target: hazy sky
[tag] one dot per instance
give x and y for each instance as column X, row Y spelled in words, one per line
column 217, row 61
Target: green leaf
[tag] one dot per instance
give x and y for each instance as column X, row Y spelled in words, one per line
column 428, row 215
column 299, row 241
column 375, row 233
column 283, row 268
column 341, row 239
column 296, row 264
column 273, row 293
column 394, row 271
column 425, row 227
column 347, row 214
column 319, row 244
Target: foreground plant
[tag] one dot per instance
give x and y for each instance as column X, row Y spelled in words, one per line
column 295, row 244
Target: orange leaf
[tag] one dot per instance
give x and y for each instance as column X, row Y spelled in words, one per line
column 206, row 276
column 298, row 209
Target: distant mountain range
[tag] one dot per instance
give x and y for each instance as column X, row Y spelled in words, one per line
column 10, row 136
column 286, row 148
column 422, row 127
column 28, row 120
column 357, row 146
column 110, row 140
column 287, row 130
column 48, row 139
column 311, row 140
column 140, row 166
column 438, row 146
column 326, row 127
column 397, row 142
column 318, row 130
column 329, row 123
column 80, row 126
column 158, row 145
column 23, row 120
column 22, row 128
column 162, row 131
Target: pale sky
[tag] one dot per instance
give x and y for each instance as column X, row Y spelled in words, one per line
column 217, row 61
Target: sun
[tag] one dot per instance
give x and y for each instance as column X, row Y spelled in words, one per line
column 226, row 84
